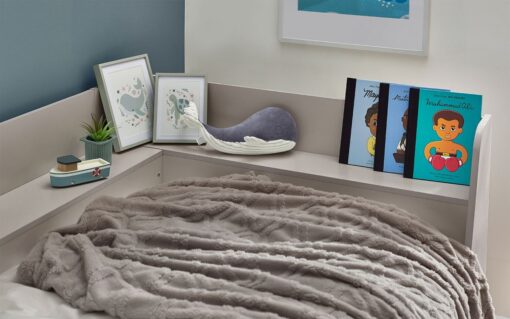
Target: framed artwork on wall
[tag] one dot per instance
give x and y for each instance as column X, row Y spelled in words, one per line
column 126, row 89
column 400, row 26
column 174, row 92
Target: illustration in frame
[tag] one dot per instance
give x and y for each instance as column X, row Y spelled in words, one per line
column 399, row 26
column 174, row 93
column 126, row 89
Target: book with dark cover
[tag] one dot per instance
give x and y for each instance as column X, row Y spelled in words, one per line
column 359, row 123
column 391, row 128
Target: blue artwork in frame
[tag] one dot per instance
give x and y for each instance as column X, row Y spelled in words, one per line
column 395, row 9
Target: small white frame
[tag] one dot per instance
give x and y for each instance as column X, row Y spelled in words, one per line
column 407, row 36
column 187, row 87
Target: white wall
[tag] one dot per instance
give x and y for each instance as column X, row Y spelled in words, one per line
column 236, row 42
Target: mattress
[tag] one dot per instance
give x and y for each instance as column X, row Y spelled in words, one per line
column 244, row 246
column 23, row 302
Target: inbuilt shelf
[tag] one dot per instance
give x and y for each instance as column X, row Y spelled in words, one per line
column 325, row 168
column 36, row 200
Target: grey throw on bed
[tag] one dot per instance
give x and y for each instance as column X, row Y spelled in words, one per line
column 242, row 246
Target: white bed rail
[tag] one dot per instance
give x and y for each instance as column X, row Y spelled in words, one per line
column 477, row 223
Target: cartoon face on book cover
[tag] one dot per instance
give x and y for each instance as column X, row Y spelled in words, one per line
column 445, row 134
column 396, row 135
column 364, row 123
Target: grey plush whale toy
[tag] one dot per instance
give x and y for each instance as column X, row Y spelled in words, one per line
column 268, row 131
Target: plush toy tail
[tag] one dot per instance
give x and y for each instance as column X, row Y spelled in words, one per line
column 190, row 118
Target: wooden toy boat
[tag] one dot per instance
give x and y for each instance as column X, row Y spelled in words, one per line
column 86, row 172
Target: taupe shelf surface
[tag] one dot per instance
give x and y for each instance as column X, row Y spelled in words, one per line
column 32, row 201
column 325, row 168
column 36, row 199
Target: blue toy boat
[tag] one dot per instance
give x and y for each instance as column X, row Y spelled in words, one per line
column 87, row 171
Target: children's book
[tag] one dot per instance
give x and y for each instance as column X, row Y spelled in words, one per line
column 391, row 128
column 440, row 135
column 359, row 123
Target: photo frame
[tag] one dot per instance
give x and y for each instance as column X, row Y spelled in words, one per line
column 127, row 94
column 173, row 92
column 377, row 25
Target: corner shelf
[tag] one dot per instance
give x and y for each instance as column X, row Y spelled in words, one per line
column 36, row 200
column 325, row 168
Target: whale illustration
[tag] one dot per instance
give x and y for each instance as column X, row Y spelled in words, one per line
column 134, row 103
column 268, row 131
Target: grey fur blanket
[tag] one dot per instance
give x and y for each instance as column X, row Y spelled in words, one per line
column 242, row 246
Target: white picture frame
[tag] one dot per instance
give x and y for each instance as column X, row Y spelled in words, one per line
column 171, row 90
column 127, row 94
column 407, row 35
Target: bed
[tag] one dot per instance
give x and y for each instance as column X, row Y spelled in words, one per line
column 459, row 212
column 243, row 246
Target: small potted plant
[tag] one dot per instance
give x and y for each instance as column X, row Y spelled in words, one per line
column 98, row 142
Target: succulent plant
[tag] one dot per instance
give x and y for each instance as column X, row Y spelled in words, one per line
column 100, row 130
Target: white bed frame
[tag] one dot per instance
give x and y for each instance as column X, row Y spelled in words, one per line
column 29, row 207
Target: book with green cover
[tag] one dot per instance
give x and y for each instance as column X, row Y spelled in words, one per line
column 440, row 135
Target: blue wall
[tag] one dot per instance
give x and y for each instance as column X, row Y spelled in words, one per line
column 48, row 47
